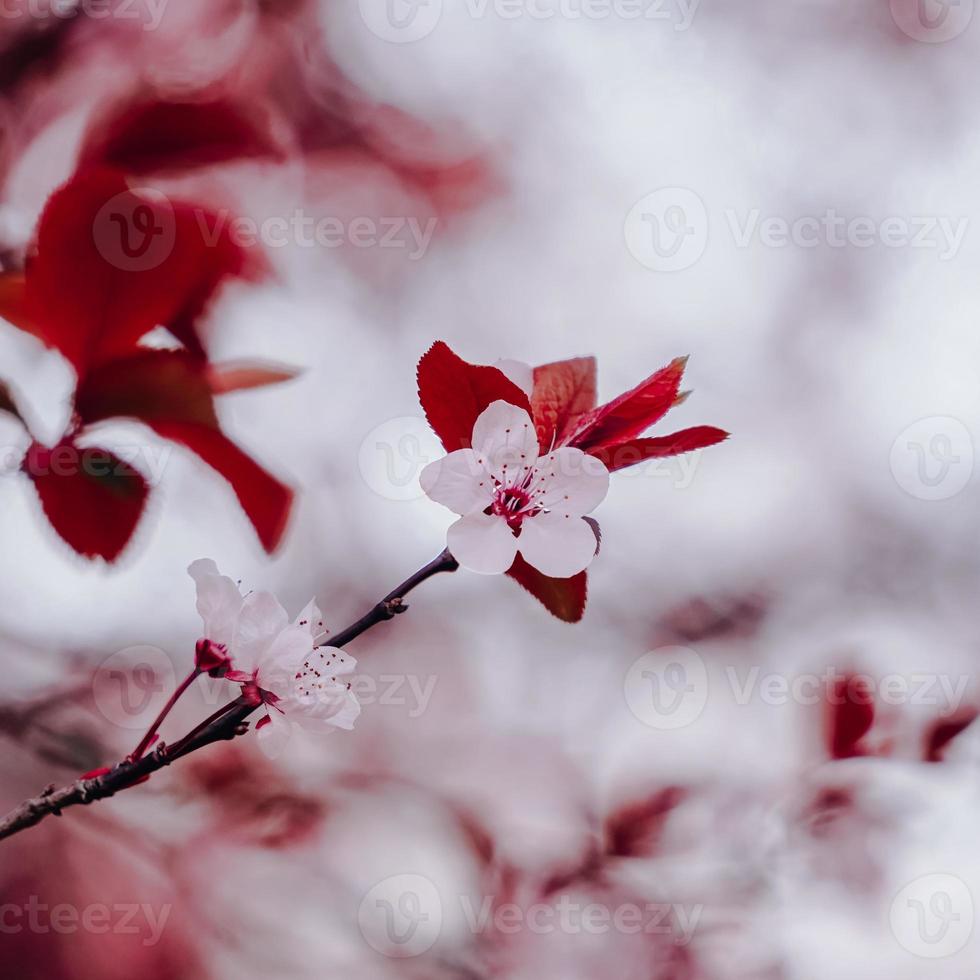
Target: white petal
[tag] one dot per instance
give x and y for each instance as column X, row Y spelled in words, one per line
column 557, row 545
column 274, row 735
column 335, row 707
column 458, row 481
column 319, row 697
column 261, row 620
column 337, row 662
column 571, row 482
column 312, row 619
column 349, row 713
column 218, row 600
column 282, row 659
column 517, row 371
column 483, row 543
column 505, row 441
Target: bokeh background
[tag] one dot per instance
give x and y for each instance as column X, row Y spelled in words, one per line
column 617, row 179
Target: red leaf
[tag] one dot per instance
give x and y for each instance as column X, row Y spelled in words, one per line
column 170, row 392
column 635, row 451
column 111, row 264
column 562, row 597
column 91, row 497
column 563, row 391
column 453, row 393
column 850, row 715
column 148, row 385
column 265, row 500
column 944, row 731
column 147, row 137
column 13, row 302
column 633, row 412
column 224, row 378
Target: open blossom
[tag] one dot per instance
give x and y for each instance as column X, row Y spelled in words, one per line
column 513, row 499
column 277, row 662
column 561, row 399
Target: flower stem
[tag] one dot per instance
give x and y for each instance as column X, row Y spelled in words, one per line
column 176, row 750
column 151, row 732
column 393, row 603
column 224, row 724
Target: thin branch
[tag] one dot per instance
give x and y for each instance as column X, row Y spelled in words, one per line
column 224, row 724
column 392, row 604
column 147, row 740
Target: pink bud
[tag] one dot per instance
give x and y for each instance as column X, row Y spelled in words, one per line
column 211, row 658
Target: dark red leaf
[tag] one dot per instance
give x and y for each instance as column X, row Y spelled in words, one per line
column 148, row 385
column 368, row 135
column 621, row 455
column 111, row 264
column 563, row 391
column 170, row 392
column 147, row 137
column 91, row 497
column 13, row 302
column 265, row 500
column 944, row 731
column 453, row 393
column 562, row 597
column 850, row 715
column 633, row 412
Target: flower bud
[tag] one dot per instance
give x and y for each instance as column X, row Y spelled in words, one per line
column 211, row 658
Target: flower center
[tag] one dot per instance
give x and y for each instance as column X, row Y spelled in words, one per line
column 513, row 504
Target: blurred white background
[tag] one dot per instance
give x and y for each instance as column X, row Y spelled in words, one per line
column 784, row 191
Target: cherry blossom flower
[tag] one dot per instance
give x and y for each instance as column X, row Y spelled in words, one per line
column 513, row 499
column 562, row 399
column 219, row 603
column 277, row 662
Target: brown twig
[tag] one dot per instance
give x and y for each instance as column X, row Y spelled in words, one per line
column 147, row 740
column 225, row 724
